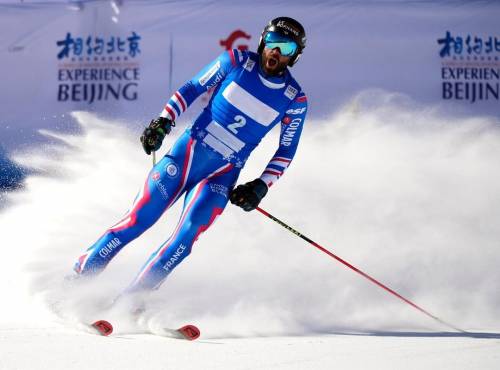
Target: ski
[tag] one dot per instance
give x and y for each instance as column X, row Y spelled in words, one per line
column 103, row 327
column 186, row 332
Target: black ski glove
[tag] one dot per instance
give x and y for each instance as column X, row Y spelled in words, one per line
column 153, row 135
column 249, row 195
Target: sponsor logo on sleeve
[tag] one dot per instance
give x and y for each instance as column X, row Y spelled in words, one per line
column 249, row 64
column 216, row 80
column 291, row 92
column 291, row 130
column 209, row 74
column 296, row 111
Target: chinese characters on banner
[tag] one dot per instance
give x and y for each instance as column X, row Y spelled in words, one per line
column 97, row 68
column 470, row 67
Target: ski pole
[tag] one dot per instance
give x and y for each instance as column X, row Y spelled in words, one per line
column 291, row 229
column 154, row 158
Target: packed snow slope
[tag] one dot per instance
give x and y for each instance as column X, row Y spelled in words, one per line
column 406, row 193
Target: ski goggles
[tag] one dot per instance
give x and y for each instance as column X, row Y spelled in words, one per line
column 275, row 40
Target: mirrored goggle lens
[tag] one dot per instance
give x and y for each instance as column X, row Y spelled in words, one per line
column 287, row 47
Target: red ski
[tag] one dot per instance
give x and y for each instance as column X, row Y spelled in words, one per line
column 187, row 332
column 103, row 327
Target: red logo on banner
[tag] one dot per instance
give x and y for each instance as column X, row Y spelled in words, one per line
column 235, row 35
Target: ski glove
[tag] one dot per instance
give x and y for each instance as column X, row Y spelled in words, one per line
column 249, row 195
column 153, row 135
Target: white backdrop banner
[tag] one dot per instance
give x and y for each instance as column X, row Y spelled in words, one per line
column 123, row 59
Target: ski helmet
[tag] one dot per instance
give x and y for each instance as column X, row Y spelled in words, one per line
column 289, row 28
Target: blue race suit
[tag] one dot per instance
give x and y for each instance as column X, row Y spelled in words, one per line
column 204, row 163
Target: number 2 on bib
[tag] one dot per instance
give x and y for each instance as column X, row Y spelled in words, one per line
column 240, row 121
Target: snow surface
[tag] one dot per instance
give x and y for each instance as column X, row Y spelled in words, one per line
column 404, row 192
column 67, row 349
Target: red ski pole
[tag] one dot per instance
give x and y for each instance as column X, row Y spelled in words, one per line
column 344, row 262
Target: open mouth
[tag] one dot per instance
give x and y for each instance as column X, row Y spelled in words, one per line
column 272, row 62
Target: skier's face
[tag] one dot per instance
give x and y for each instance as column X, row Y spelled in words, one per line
column 273, row 63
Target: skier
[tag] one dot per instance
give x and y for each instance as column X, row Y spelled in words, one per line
column 252, row 92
